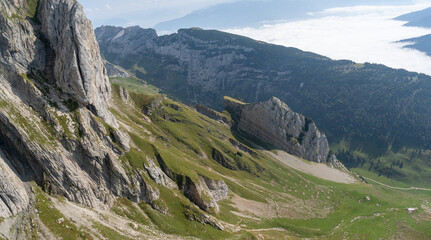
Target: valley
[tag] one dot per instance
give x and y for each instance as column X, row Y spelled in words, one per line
column 92, row 150
column 372, row 115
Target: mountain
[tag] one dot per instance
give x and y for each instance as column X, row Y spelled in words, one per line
column 417, row 19
column 422, row 44
column 241, row 14
column 375, row 113
column 82, row 157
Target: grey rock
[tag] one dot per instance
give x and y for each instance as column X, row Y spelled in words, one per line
column 205, row 192
column 158, row 175
column 154, row 105
column 217, row 188
column 212, row 114
column 124, row 95
column 273, row 122
column 241, row 147
column 77, row 66
column 115, row 71
column 46, row 66
column 13, row 195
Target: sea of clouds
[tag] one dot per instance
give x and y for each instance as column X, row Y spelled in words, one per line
column 362, row 34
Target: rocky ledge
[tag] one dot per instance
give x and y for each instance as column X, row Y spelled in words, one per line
column 275, row 124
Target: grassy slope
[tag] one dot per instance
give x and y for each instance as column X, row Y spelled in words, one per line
column 185, row 142
column 379, row 111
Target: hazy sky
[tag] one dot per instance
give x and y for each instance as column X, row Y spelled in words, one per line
column 145, row 13
column 361, row 34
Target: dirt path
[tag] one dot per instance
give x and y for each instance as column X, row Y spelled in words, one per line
column 319, row 170
column 397, row 188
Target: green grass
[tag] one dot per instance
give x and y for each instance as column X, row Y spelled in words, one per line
column 177, row 222
column 44, row 136
column 31, row 8
column 234, row 100
column 136, row 85
column 30, row 11
column 109, row 233
column 126, row 208
column 50, row 216
column 184, row 139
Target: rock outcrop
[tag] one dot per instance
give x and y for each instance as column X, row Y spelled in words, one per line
column 206, row 192
column 212, row 114
column 115, row 71
column 273, row 122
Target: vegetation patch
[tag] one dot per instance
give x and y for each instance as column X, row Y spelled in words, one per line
column 109, row 233
column 44, row 136
column 55, row 221
column 177, row 222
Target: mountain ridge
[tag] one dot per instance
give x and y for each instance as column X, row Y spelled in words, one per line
column 362, row 108
column 417, row 19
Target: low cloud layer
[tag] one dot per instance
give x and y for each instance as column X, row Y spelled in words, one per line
column 361, row 34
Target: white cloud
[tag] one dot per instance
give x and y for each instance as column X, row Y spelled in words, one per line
column 108, row 6
column 361, row 34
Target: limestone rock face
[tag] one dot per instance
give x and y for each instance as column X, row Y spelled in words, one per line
column 77, row 66
column 55, row 127
column 275, row 123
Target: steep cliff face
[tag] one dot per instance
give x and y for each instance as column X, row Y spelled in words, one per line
column 55, row 127
column 77, row 67
column 275, row 123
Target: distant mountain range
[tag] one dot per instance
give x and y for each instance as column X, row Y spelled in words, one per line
column 422, row 44
column 418, row 19
column 365, row 108
column 256, row 13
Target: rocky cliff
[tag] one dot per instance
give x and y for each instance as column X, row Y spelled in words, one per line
column 55, row 127
column 274, row 123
